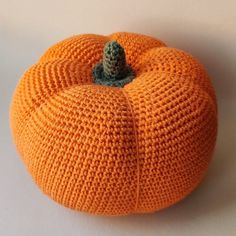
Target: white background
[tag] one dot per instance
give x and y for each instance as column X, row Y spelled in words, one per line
column 205, row 28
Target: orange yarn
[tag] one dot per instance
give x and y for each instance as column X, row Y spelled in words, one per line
column 115, row 151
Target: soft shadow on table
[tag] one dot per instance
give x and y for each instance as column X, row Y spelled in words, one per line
column 217, row 192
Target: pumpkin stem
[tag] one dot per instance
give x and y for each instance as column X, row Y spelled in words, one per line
column 113, row 71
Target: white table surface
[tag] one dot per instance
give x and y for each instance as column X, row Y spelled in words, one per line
column 207, row 29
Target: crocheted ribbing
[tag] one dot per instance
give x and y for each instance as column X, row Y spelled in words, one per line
column 112, row 150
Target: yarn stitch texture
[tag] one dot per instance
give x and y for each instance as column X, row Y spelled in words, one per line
column 110, row 150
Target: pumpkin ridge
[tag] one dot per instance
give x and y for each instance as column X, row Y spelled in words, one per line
column 44, row 103
column 60, row 90
column 148, row 41
column 137, row 147
column 70, row 45
column 159, row 54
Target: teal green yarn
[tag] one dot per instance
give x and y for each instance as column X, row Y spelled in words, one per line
column 113, row 71
column 100, row 78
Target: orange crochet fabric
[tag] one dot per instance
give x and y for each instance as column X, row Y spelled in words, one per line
column 111, row 150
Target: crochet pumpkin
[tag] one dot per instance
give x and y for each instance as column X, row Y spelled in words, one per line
column 116, row 124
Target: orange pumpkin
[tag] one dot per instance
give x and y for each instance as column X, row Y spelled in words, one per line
column 132, row 134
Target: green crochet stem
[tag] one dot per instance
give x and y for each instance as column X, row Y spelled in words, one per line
column 113, row 71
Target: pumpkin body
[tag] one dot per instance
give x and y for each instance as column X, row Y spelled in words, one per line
column 109, row 150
